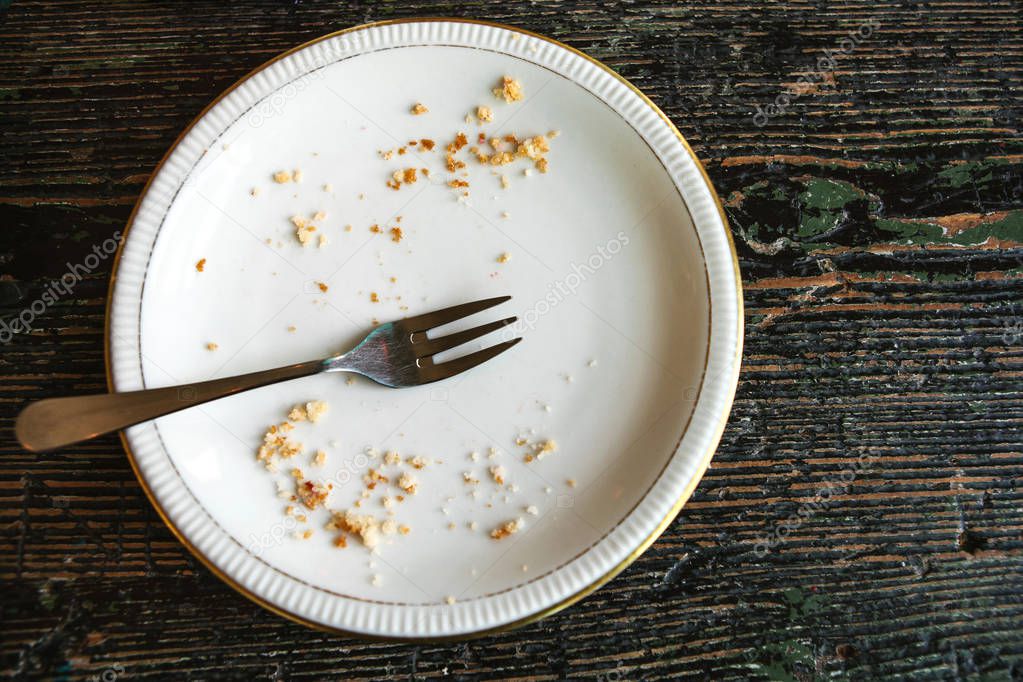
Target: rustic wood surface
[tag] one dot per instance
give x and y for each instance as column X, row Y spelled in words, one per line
column 879, row 222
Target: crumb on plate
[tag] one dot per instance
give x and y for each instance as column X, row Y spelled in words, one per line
column 509, row 89
column 507, row 528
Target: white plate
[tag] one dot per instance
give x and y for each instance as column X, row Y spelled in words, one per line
column 616, row 256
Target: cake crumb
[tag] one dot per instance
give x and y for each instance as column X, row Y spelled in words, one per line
column 506, row 529
column 509, row 89
column 314, row 494
column 212, row 346
column 320, row 458
column 292, row 328
column 504, row 257
column 417, row 462
column 504, row 182
column 254, row 191
column 296, row 175
column 408, row 483
column 375, row 580
column 323, row 287
column 374, row 297
column 200, row 265
column 538, row 450
column 498, row 473
column 418, row 109
column 315, row 409
column 571, row 482
column 532, row 510
column 449, row 600
column 365, row 526
column 484, row 114
column 282, row 177
column 327, row 187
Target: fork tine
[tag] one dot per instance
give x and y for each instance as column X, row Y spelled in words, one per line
column 432, row 346
column 432, row 372
column 421, row 323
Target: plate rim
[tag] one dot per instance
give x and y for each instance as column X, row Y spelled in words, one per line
column 707, row 455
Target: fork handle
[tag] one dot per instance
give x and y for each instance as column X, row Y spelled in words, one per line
column 56, row 422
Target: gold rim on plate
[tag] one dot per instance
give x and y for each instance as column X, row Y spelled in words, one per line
column 599, row 582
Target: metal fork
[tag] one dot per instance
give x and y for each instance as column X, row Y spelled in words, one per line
column 396, row 354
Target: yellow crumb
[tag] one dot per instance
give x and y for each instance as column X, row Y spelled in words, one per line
column 211, row 346
column 314, row 494
column 418, row 109
column 408, row 483
column 281, row 177
column 484, row 114
column 504, row 257
column 315, row 409
column 506, row 529
column 200, row 265
column 510, row 90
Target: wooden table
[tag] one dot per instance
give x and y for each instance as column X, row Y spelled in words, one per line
column 878, row 217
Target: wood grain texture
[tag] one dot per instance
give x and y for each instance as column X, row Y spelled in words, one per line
column 879, row 221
